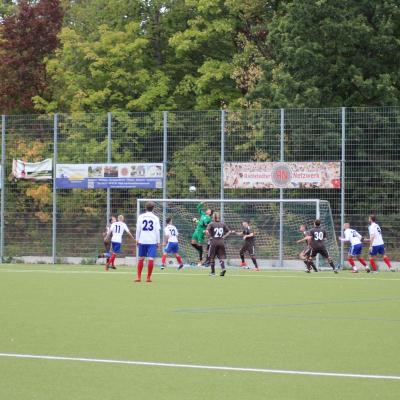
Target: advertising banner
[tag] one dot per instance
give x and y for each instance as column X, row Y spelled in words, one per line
column 37, row 171
column 282, row 175
column 104, row 176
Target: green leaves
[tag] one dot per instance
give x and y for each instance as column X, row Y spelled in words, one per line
column 110, row 73
column 332, row 54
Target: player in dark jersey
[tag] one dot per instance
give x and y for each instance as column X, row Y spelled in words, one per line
column 248, row 245
column 317, row 238
column 306, row 252
column 107, row 241
column 217, row 231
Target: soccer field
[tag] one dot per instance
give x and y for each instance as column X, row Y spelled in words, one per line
column 269, row 335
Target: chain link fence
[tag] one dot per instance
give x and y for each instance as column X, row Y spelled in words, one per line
column 45, row 224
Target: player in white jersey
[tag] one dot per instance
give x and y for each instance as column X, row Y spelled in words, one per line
column 171, row 243
column 116, row 232
column 352, row 236
column 147, row 240
column 377, row 246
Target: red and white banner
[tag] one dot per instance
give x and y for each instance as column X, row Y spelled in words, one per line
column 36, row 171
column 282, row 175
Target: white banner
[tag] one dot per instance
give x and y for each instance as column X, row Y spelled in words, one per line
column 286, row 175
column 37, row 171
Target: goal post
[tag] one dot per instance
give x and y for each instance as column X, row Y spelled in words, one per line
column 265, row 217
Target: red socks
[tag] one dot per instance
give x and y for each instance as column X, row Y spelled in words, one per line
column 351, row 262
column 112, row 259
column 373, row 264
column 164, row 259
column 150, row 267
column 386, row 259
column 362, row 261
column 140, row 269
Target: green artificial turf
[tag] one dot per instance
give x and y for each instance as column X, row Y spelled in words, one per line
column 271, row 320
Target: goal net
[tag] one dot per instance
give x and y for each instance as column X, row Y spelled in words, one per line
column 275, row 223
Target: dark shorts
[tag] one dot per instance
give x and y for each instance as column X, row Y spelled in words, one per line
column 319, row 250
column 248, row 248
column 217, row 250
column 307, row 251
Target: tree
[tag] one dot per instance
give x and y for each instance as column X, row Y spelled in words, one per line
column 118, row 61
column 331, row 53
column 6, row 7
column 27, row 36
column 112, row 73
column 205, row 50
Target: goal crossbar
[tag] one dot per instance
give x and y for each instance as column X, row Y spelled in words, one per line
column 277, row 224
column 191, row 200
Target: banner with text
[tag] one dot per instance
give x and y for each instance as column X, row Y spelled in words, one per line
column 104, row 176
column 282, row 175
column 36, row 171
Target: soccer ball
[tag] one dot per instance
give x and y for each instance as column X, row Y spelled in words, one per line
column 192, row 189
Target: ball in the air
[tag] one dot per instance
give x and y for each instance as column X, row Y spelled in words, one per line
column 192, row 189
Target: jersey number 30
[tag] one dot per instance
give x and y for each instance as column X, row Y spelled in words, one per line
column 147, row 225
column 318, row 235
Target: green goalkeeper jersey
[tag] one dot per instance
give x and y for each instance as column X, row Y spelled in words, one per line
column 204, row 219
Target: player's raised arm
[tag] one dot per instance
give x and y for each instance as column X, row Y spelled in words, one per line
column 227, row 231
column 200, row 210
column 305, row 239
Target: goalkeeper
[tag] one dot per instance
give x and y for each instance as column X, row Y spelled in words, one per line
column 199, row 233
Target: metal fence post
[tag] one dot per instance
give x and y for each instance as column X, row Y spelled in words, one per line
column 165, row 165
column 222, row 192
column 343, row 183
column 54, row 241
column 3, row 165
column 281, row 210
column 318, row 216
column 109, row 147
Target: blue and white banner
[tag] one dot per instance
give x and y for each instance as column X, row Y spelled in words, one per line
column 104, row 176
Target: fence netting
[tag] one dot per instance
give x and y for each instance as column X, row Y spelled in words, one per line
column 192, row 146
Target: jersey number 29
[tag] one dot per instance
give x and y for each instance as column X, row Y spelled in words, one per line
column 219, row 232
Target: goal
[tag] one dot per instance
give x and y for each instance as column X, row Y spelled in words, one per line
column 275, row 223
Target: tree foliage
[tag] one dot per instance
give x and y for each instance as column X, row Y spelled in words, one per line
column 27, row 35
column 249, row 56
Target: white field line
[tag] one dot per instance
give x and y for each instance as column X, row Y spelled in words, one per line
column 196, row 366
column 251, row 274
